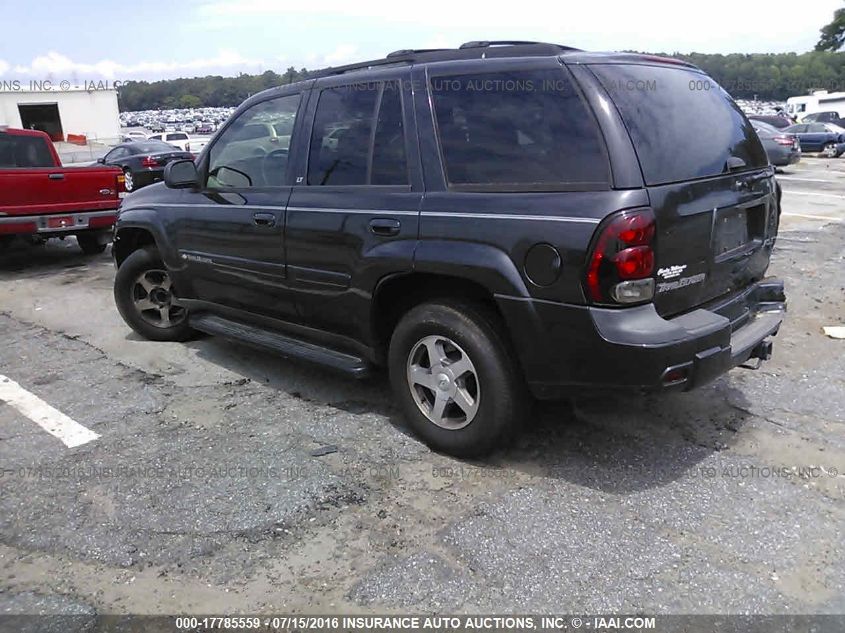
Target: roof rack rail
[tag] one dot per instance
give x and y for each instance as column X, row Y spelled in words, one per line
column 490, row 43
column 404, row 52
column 375, row 63
column 468, row 50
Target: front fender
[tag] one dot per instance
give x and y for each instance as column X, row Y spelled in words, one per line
column 148, row 220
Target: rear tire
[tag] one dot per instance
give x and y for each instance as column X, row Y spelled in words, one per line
column 90, row 243
column 456, row 377
column 147, row 300
column 128, row 180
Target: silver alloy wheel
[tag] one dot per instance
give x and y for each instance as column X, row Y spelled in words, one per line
column 152, row 295
column 443, row 382
column 127, row 180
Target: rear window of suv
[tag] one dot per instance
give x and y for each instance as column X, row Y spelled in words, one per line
column 517, row 130
column 682, row 123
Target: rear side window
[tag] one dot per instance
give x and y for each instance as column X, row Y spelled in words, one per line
column 682, row 123
column 24, row 151
column 516, row 130
column 358, row 136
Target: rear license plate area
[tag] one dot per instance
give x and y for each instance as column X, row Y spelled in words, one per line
column 736, row 228
column 731, row 231
column 62, row 222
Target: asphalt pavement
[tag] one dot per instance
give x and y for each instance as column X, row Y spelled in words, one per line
column 222, row 479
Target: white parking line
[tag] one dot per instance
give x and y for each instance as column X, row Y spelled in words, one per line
column 56, row 423
column 832, row 182
column 812, row 217
column 811, row 193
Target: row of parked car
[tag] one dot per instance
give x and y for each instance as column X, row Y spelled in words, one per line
column 182, row 140
column 190, row 121
column 817, row 132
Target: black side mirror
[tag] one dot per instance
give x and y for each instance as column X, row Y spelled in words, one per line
column 101, row 160
column 181, row 174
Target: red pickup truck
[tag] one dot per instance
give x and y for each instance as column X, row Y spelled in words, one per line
column 40, row 199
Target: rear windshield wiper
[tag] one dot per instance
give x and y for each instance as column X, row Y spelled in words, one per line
column 734, row 163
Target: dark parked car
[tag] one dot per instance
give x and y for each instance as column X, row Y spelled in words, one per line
column 782, row 149
column 827, row 138
column 143, row 162
column 775, row 120
column 485, row 227
column 824, row 117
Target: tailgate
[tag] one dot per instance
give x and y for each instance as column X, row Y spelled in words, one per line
column 713, row 237
column 708, row 179
column 58, row 190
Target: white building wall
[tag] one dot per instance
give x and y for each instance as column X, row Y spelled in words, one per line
column 93, row 114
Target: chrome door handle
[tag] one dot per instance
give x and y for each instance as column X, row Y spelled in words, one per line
column 385, row 227
column 264, row 219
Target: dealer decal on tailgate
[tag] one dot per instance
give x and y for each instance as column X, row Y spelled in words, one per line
column 683, row 282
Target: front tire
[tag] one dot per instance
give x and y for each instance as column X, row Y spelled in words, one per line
column 456, row 377
column 146, row 299
column 128, row 180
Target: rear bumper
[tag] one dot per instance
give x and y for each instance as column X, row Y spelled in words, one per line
column 565, row 348
column 57, row 223
column 785, row 157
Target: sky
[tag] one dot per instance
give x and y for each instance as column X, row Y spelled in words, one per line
column 90, row 40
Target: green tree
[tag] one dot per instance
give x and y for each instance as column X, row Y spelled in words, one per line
column 833, row 35
column 189, row 101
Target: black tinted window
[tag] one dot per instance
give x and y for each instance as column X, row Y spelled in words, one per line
column 521, row 128
column 682, row 123
column 24, row 151
column 340, row 141
column 389, row 164
column 345, row 150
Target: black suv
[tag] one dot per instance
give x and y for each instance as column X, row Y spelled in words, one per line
column 492, row 222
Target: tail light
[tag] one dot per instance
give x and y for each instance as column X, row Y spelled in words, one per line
column 621, row 263
column 149, row 161
column 786, row 141
column 120, row 185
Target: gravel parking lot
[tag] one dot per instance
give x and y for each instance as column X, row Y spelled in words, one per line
column 228, row 480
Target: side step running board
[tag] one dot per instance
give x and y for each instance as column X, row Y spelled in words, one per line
column 281, row 344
